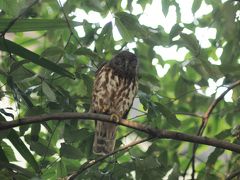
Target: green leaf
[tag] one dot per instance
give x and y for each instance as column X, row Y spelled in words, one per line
column 22, row 25
column 18, row 72
column 23, row 150
column 35, row 130
column 53, row 52
column 127, row 25
column 165, row 6
column 196, row 5
column 163, row 158
column 3, row 157
column 105, row 39
column 192, row 75
column 191, row 43
column 87, row 148
column 230, row 69
column 126, row 35
column 48, row 92
column 176, row 30
column 69, row 151
column 49, row 173
column 149, row 162
column 181, row 87
column 228, row 49
column 236, row 95
column 129, row 21
column 17, row 92
column 71, row 134
column 213, row 157
column 8, row 151
column 3, row 133
column 88, row 83
column 61, row 169
column 170, row 116
column 6, row 45
column 17, row 169
column 37, row 110
column 87, row 52
column 175, row 172
column 41, row 149
column 14, row 9
column 224, row 134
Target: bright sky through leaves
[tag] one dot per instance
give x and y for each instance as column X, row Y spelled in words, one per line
column 153, row 17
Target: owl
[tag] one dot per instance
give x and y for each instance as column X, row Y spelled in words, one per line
column 114, row 89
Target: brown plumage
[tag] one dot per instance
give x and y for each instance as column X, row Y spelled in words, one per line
column 114, row 89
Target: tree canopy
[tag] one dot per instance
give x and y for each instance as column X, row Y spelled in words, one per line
column 47, row 67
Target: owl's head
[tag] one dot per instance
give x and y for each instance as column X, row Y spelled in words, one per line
column 125, row 63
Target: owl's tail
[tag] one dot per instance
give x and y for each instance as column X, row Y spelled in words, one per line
column 104, row 139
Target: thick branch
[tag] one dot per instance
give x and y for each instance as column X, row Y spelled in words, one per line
column 134, row 125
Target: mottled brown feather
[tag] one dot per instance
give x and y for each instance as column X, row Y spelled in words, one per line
column 113, row 93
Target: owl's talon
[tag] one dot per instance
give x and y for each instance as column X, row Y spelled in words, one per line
column 115, row 118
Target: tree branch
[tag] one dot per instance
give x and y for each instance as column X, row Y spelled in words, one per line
column 68, row 23
column 12, row 22
column 190, row 114
column 91, row 163
column 205, row 121
column 164, row 134
column 214, row 104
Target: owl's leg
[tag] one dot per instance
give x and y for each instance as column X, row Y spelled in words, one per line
column 115, row 118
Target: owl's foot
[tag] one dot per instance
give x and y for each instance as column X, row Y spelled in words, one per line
column 115, row 118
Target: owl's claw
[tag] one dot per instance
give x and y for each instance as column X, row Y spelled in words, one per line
column 115, row 118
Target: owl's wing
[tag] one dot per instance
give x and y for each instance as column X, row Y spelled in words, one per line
column 112, row 94
column 104, row 139
column 102, row 93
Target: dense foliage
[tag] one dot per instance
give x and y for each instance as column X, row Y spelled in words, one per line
column 47, row 67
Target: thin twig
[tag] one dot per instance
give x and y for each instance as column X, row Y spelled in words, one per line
column 11, row 23
column 91, row 163
column 205, row 121
column 37, row 38
column 135, row 117
column 190, row 114
column 126, row 135
column 69, row 25
column 54, row 130
column 52, row 163
column 138, row 110
column 202, row 161
column 214, row 104
column 182, row 95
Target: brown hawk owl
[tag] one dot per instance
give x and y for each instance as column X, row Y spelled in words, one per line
column 114, row 89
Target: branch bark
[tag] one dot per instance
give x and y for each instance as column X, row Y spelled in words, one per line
column 163, row 134
column 213, row 105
